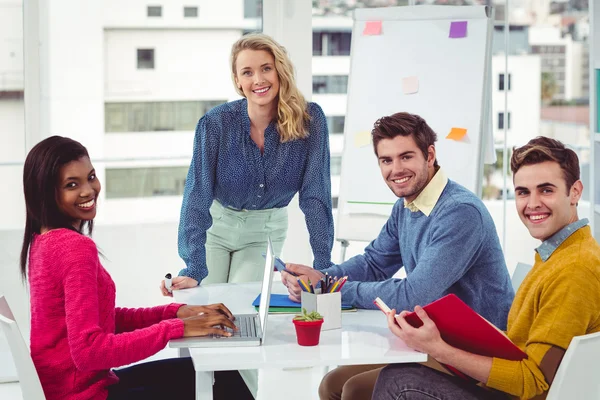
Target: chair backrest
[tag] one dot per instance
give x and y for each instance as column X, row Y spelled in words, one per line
column 31, row 388
column 519, row 274
column 578, row 376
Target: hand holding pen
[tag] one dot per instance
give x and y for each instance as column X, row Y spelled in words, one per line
column 305, row 273
column 176, row 283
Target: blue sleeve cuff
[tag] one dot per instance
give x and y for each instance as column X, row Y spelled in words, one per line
column 190, row 273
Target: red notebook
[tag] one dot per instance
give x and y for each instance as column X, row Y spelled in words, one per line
column 461, row 327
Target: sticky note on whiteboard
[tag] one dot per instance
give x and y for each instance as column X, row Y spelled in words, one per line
column 410, row 85
column 458, row 29
column 457, row 134
column 362, row 139
column 372, row 28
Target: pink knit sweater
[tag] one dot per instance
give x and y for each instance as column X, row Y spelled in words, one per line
column 77, row 334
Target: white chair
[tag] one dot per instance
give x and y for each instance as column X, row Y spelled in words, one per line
column 31, row 388
column 519, row 274
column 578, row 376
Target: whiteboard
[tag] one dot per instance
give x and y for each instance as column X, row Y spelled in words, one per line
column 453, row 91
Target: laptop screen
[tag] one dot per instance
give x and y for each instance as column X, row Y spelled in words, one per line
column 265, row 297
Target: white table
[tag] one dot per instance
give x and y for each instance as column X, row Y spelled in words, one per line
column 294, row 371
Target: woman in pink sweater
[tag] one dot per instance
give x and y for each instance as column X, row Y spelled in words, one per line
column 77, row 334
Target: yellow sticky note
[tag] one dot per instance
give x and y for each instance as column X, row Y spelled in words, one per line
column 457, row 134
column 362, row 139
column 410, row 85
column 372, row 28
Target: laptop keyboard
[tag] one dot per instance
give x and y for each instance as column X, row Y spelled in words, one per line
column 246, row 325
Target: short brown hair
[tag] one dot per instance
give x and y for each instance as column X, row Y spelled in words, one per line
column 543, row 149
column 404, row 124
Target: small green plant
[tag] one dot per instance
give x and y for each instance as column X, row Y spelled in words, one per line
column 308, row 316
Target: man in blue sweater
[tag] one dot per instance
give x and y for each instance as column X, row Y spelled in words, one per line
column 439, row 231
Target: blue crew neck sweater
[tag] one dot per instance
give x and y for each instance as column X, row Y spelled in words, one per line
column 454, row 250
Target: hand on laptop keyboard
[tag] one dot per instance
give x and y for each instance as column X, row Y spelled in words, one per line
column 246, row 327
column 208, row 324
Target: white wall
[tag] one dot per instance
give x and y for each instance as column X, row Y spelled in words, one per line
column 133, row 14
column 11, row 45
column 12, row 131
column 576, row 77
column 571, row 133
column 189, row 65
column 550, row 35
column 524, row 97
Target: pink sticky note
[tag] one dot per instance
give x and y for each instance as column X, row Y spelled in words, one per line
column 458, row 29
column 410, row 85
column 372, row 28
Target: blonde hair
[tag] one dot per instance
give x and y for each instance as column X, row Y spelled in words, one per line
column 292, row 117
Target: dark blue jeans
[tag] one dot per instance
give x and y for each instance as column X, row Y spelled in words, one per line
column 418, row 382
column 172, row 379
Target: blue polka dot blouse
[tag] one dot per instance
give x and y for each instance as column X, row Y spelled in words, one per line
column 229, row 167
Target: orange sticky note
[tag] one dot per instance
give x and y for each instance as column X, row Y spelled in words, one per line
column 372, row 28
column 457, row 133
column 410, row 85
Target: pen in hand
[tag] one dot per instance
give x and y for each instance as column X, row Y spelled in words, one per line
column 168, row 282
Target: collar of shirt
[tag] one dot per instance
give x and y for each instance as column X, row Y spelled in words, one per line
column 549, row 245
column 427, row 199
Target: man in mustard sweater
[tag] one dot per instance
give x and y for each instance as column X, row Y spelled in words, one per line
column 559, row 298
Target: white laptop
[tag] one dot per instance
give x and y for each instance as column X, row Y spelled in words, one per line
column 252, row 328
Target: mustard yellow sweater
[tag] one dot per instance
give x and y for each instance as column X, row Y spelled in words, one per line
column 559, row 299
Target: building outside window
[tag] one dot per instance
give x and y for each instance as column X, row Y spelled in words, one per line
column 145, row 182
column 502, row 83
column 339, row 43
column 252, row 8
column 501, row 120
column 336, row 165
column 155, row 116
column 145, row 58
column 331, row 43
column 154, row 11
column 317, row 43
column 190, row 12
column 332, row 84
column 335, row 124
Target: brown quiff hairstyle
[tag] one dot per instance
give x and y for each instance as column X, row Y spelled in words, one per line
column 543, row 149
column 405, row 124
column 292, row 114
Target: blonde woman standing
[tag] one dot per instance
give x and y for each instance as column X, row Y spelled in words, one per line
column 251, row 156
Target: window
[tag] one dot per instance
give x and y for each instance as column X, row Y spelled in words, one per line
column 501, row 82
column 154, row 11
column 332, row 84
column 335, row 124
column 317, row 44
column 252, row 8
column 145, row 182
column 338, row 43
column 331, row 43
column 501, row 121
column 190, row 12
column 336, row 165
column 145, row 58
column 155, row 116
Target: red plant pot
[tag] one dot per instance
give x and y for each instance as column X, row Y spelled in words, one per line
column 308, row 332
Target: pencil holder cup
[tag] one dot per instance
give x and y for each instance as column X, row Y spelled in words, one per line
column 308, row 333
column 329, row 305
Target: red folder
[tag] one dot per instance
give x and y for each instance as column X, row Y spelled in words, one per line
column 461, row 327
